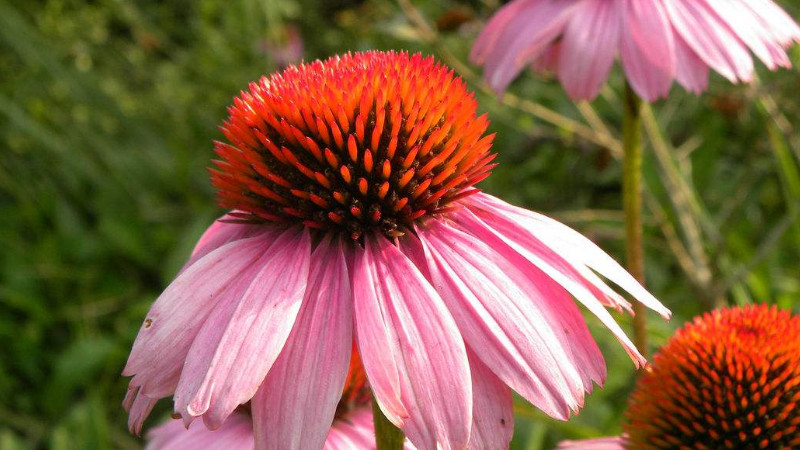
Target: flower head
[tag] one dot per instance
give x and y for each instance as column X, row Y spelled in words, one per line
column 354, row 218
column 657, row 42
column 359, row 143
column 728, row 380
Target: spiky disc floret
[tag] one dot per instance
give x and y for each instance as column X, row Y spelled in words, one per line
column 729, row 380
column 364, row 142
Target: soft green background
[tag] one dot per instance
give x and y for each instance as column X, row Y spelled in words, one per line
column 107, row 113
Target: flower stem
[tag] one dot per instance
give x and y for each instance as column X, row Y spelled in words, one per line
column 632, row 200
column 387, row 436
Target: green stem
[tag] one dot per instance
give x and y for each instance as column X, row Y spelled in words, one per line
column 387, row 436
column 632, row 200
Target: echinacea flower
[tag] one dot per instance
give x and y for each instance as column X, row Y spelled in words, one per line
column 352, row 427
column 657, row 41
column 354, row 216
column 728, row 380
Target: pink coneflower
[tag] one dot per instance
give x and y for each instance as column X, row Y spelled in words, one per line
column 352, row 427
column 728, row 380
column 658, row 41
column 355, row 216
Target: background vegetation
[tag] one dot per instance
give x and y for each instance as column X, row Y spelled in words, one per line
column 107, row 113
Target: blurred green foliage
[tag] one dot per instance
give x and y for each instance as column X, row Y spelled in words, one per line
column 107, row 113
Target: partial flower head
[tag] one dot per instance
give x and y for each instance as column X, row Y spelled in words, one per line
column 355, row 216
column 728, row 380
column 657, row 41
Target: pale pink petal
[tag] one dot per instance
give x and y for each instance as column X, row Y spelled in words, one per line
column 751, row 31
column 352, row 432
column 511, row 323
column 236, row 347
column 524, row 39
column 570, row 245
column 783, row 28
column 412, row 352
column 647, row 48
column 691, row 71
column 178, row 314
column 710, row 38
column 235, row 434
column 492, row 409
column 577, row 278
column 295, row 406
column 138, row 407
column 486, row 42
column 355, row 432
column 604, row 443
column 588, row 48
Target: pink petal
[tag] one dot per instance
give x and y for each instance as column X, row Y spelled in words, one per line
column 588, row 48
column 692, row 72
column 604, row 443
column 524, row 38
column 179, row 312
column 751, row 32
column 235, row 434
column 236, row 347
column 353, row 432
column 295, row 406
column 413, row 355
column 647, row 48
column 219, row 234
column 493, row 409
column 138, row 407
column 548, row 61
column 486, row 42
column 782, row 27
column 571, row 245
column 577, row 279
column 514, row 325
column 710, row 38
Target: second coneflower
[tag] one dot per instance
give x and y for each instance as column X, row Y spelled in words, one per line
column 354, row 215
column 728, row 380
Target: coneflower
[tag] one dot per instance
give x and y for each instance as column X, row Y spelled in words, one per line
column 728, row 380
column 354, row 214
column 657, row 41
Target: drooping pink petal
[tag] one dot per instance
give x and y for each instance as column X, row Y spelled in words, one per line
column 588, row 48
column 138, row 407
column 486, row 42
column 751, row 32
column 512, row 323
column 412, row 352
column 647, row 48
column 178, row 314
column 691, row 71
column 492, row 409
column 604, row 443
column 236, row 347
column 710, row 38
column 235, row 434
column 524, row 38
column 570, row 245
column 295, row 406
column 783, row 28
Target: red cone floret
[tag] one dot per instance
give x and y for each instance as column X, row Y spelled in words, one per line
column 366, row 141
column 729, row 380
